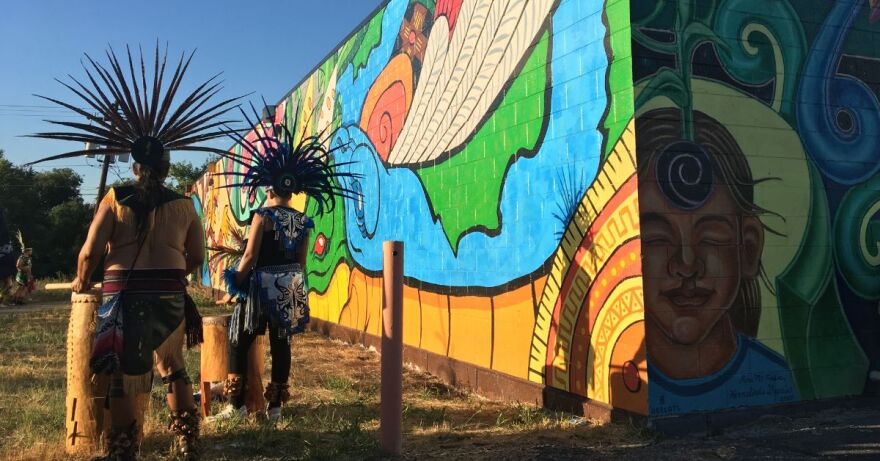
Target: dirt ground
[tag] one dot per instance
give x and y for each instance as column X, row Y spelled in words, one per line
column 835, row 433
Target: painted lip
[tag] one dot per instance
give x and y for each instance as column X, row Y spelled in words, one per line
column 688, row 297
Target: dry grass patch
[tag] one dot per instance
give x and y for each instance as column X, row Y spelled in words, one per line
column 333, row 413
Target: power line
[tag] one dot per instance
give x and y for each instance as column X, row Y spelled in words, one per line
column 40, row 108
column 38, row 115
column 33, row 111
column 33, row 106
column 64, row 166
column 60, row 165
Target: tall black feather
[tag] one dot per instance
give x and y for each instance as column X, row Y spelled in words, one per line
column 127, row 116
column 273, row 161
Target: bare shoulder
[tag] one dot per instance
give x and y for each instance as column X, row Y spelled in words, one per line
column 106, row 214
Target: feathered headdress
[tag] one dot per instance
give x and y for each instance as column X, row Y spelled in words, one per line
column 275, row 162
column 139, row 119
column 20, row 238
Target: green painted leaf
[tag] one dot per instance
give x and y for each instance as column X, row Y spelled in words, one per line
column 320, row 269
column 619, row 78
column 464, row 191
column 368, row 40
column 665, row 83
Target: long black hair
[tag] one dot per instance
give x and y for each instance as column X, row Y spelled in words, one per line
column 149, row 191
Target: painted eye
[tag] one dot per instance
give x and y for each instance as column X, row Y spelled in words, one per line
column 320, row 245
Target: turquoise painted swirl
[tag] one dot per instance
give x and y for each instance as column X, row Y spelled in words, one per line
column 838, row 115
column 761, row 47
column 204, row 272
column 857, row 241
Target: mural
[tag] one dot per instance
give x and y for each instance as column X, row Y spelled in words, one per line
column 496, row 140
column 757, row 171
column 666, row 209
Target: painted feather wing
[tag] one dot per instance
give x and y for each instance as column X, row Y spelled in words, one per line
column 464, row 75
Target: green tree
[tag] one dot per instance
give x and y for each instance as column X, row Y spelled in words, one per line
column 56, row 186
column 62, row 247
column 185, row 174
column 49, row 211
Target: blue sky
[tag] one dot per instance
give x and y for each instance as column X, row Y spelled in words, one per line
column 263, row 47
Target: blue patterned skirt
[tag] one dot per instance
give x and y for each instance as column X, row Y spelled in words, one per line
column 277, row 296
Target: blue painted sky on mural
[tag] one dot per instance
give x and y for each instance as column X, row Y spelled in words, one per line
column 529, row 232
column 263, row 47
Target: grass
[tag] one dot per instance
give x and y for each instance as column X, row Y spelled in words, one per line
column 333, row 413
column 203, row 296
column 32, row 371
column 206, row 299
column 43, row 296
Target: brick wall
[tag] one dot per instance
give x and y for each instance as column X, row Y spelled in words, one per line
column 496, row 140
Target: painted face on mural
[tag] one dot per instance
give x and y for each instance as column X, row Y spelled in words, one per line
column 694, row 260
column 701, row 235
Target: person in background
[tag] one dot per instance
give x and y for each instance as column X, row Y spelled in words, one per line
column 24, row 276
column 7, row 261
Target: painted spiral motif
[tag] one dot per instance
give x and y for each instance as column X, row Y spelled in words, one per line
column 684, row 174
column 761, row 50
column 359, row 158
column 387, row 118
column 856, row 243
column 837, row 113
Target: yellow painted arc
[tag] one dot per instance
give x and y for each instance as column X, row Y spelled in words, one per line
column 606, row 332
column 618, row 167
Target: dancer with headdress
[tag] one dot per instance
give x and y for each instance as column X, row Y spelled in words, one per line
column 269, row 279
column 152, row 235
column 24, row 276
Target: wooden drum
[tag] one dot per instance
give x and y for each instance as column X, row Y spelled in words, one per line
column 214, row 360
column 214, row 363
column 86, row 419
column 85, row 412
